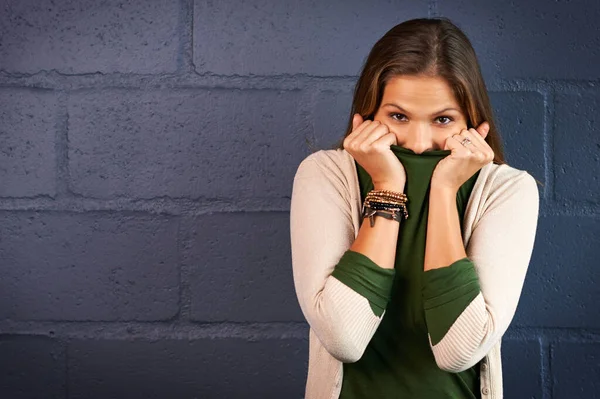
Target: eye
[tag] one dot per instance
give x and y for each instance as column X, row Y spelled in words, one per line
column 447, row 118
column 397, row 117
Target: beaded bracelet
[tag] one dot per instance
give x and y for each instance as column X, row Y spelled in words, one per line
column 388, row 195
column 384, row 203
column 386, row 200
column 387, row 207
column 371, row 213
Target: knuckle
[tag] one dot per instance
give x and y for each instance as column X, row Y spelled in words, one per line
column 380, row 145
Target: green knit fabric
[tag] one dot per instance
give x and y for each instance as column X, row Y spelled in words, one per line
column 398, row 361
column 447, row 291
column 361, row 274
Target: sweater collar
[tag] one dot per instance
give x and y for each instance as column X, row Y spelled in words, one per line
column 419, row 166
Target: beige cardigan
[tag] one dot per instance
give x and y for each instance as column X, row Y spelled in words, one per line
column 499, row 230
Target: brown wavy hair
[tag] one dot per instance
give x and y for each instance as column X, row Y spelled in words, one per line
column 427, row 47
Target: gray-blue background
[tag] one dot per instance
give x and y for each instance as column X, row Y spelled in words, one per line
column 147, row 156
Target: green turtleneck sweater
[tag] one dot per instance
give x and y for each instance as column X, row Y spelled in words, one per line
column 398, row 362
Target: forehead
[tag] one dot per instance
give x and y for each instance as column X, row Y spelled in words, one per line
column 419, row 90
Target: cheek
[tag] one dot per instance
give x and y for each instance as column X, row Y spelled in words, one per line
column 448, row 133
column 457, row 127
column 384, row 119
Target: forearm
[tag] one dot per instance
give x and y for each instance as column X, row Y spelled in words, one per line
column 444, row 244
column 451, row 286
column 497, row 261
column 379, row 242
column 321, row 230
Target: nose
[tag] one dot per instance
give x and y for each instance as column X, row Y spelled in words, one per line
column 419, row 138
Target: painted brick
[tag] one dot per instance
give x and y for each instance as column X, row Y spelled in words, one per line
column 553, row 40
column 86, row 36
column 190, row 144
column 520, row 120
column 208, row 368
column 521, row 369
column 577, row 146
column 32, row 368
column 28, row 120
column 58, row 266
column 330, row 117
column 241, row 268
column 270, row 37
column 575, row 368
column 559, row 288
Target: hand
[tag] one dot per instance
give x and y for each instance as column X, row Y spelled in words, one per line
column 465, row 160
column 369, row 144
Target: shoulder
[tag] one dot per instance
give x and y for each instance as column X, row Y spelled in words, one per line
column 329, row 164
column 504, row 208
column 504, row 181
column 506, row 176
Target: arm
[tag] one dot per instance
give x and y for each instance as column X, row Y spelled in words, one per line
column 379, row 242
column 322, row 232
column 483, row 289
column 444, row 244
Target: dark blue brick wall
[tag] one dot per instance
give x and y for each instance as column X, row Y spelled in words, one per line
column 308, row 37
column 28, row 126
column 86, row 36
column 147, row 150
column 186, row 368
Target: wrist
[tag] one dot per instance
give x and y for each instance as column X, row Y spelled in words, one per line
column 395, row 186
column 443, row 189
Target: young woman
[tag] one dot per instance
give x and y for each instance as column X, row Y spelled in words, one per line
column 411, row 241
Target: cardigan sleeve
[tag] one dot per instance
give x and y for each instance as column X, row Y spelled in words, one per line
column 321, row 232
column 367, row 278
column 447, row 292
column 500, row 249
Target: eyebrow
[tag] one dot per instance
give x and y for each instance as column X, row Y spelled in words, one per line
column 435, row 113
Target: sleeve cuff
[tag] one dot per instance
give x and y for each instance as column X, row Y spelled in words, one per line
column 447, row 292
column 368, row 279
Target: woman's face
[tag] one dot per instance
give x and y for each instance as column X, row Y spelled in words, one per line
column 421, row 111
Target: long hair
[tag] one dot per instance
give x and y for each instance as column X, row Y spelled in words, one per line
column 429, row 47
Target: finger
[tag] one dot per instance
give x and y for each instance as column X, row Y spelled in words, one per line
column 477, row 135
column 356, row 121
column 386, row 140
column 358, row 130
column 480, row 142
column 366, row 132
column 376, row 134
column 477, row 143
column 482, row 145
column 454, row 143
column 483, row 129
column 473, row 144
column 477, row 147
